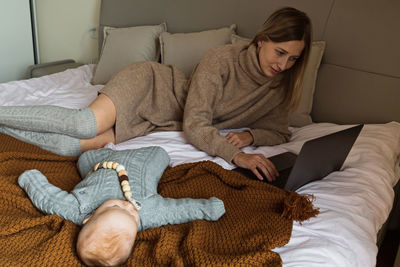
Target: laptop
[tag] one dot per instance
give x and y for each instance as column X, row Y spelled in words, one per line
column 317, row 158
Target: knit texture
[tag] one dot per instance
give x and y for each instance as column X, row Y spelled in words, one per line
column 144, row 166
column 228, row 90
column 59, row 144
column 78, row 123
column 254, row 222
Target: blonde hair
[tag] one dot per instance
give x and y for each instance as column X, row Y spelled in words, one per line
column 289, row 24
column 110, row 250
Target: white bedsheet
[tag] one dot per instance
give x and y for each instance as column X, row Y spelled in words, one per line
column 353, row 202
column 70, row 88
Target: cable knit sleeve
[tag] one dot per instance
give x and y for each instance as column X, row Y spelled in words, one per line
column 158, row 211
column 205, row 90
column 89, row 158
column 49, row 198
column 272, row 129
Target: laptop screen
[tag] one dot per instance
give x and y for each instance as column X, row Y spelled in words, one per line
column 321, row 156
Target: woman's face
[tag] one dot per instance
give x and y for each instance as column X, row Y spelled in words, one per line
column 277, row 57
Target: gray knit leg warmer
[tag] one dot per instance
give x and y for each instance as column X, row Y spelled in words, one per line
column 59, row 144
column 79, row 123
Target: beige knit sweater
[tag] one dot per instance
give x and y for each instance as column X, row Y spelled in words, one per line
column 227, row 90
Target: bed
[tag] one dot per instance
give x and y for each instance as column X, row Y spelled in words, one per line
column 354, row 203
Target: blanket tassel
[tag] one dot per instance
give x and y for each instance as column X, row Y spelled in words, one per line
column 299, row 207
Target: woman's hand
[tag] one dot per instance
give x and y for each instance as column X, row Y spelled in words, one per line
column 258, row 164
column 240, row 139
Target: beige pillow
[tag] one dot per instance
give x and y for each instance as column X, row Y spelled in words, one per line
column 185, row 50
column 123, row 46
column 301, row 116
column 236, row 39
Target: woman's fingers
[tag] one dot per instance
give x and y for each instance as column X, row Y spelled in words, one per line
column 233, row 139
column 258, row 164
column 239, row 139
column 269, row 167
column 257, row 173
column 267, row 170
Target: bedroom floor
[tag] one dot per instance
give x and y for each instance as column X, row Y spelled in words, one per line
column 387, row 253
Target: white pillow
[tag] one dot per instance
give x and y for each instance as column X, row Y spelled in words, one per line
column 301, row 116
column 123, row 46
column 185, row 50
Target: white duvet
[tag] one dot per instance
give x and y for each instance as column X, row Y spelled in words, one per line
column 353, row 202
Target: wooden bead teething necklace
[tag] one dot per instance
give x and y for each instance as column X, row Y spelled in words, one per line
column 123, row 179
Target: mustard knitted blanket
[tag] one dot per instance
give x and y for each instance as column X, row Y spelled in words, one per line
column 258, row 216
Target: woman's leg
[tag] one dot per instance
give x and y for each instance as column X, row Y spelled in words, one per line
column 99, row 141
column 78, row 123
column 105, row 113
column 59, row 144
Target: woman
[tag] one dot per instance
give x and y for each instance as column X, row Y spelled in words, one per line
column 250, row 86
column 253, row 86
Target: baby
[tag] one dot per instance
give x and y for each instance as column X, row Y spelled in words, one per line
column 115, row 185
column 107, row 237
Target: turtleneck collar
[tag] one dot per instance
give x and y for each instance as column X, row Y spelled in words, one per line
column 248, row 61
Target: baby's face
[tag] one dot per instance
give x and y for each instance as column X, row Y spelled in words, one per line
column 116, row 207
column 113, row 216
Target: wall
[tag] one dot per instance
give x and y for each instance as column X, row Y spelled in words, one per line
column 63, row 28
column 16, row 46
column 361, row 61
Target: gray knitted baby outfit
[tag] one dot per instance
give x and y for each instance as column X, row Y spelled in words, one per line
column 144, row 166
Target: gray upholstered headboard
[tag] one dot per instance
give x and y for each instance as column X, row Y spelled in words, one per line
column 359, row 78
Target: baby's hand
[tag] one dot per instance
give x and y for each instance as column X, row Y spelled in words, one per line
column 240, row 139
